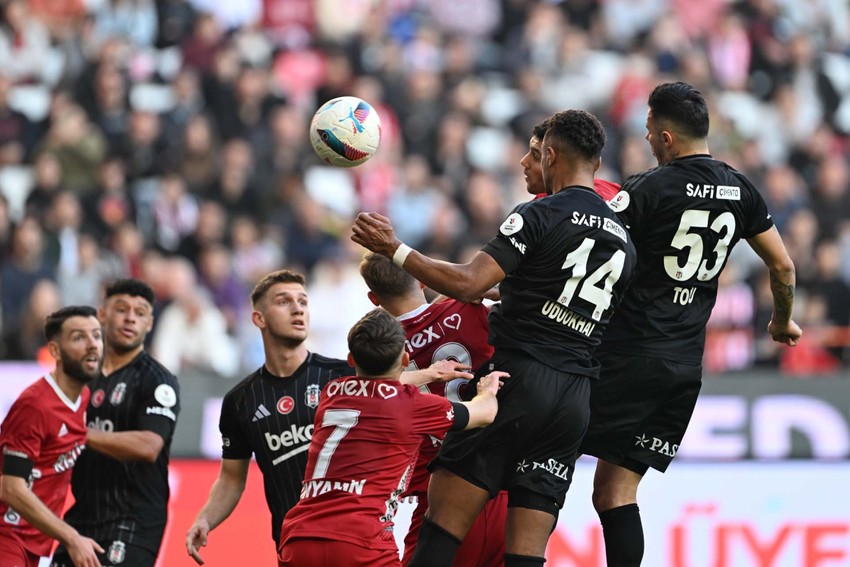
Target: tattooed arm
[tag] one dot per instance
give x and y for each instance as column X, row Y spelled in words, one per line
column 769, row 246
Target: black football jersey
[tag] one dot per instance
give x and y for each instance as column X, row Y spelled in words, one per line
column 568, row 260
column 685, row 217
column 128, row 498
column 272, row 417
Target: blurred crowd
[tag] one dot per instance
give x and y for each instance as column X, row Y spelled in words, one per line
column 167, row 140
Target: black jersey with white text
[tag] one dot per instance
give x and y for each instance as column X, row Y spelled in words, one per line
column 127, row 499
column 272, row 417
column 568, row 261
column 685, row 217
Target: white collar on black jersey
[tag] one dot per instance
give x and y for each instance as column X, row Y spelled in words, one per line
column 65, row 399
column 416, row 312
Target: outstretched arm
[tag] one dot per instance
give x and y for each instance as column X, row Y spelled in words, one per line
column 224, row 496
column 126, row 445
column 769, row 246
column 483, row 407
column 464, row 282
column 15, row 492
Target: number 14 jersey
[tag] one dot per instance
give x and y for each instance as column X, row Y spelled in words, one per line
column 684, row 217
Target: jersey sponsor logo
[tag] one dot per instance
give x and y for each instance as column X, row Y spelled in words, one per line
column 118, row 394
column 453, row 321
column 298, row 437
column 584, row 219
column 311, row 396
column 620, row 202
column 551, row 466
column 729, row 192
column 117, row 552
column 67, row 460
column 101, row 424
column 425, row 337
column 567, row 318
column 354, row 388
column 285, row 405
column 63, row 431
column 165, row 412
column 97, row 398
column 655, row 444
column 312, row 488
column 165, row 395
column 518, row 245
column 261, row 413
column 512, row 224
column 387, row 391
column 613, row 228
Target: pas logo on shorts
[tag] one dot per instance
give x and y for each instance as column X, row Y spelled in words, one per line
column 512, row 224
column 311, row 397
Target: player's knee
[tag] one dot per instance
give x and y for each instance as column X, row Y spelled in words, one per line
column 523, row 498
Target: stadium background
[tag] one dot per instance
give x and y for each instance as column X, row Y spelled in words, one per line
column 168, row 140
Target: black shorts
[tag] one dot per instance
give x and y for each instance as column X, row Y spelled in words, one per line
column 639, row 410
column 533, row 443
column 118, row 554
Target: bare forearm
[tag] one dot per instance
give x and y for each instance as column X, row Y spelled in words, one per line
column 454, row 280
column 126, row 445
column 782, row 284
column 223, row 498
column 36, row 512
column 482, row 410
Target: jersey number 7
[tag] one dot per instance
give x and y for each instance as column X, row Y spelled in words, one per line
column 344, row 421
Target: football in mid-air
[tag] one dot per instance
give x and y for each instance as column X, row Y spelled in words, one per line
column 345, row 131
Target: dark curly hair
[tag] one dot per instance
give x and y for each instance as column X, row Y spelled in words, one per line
column 577, row 130
column 131, row 287
column 682, row 105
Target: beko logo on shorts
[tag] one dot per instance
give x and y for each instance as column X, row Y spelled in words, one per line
column 295, row 436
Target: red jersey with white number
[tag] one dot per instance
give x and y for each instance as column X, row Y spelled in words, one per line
column 438, row 331
column 365, row 441
column 46, row 427
column 606, row 189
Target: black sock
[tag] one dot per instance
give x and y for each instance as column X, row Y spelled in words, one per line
column 435, row 547
column 513, row 560
column 623, row 536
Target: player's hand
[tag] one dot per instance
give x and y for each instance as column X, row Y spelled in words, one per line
column 375, row 232
column 492, row 294
column 491, row 383
column 196, row 539
column 448, row 370
column 83, row 551
column 787, row 334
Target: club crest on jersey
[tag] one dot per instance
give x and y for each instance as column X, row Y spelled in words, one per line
column 620, row 202
column 285, row 405
column 117, row 552
column 512, row 224
column 311, row 397
column 118, row 394
column 97, row 398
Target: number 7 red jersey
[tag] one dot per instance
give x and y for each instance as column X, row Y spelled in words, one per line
column 365, row 442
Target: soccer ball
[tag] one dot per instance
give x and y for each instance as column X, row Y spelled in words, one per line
column 345, row 131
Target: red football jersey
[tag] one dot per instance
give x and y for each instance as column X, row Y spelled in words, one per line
column 46, row 427
column 365, row 441
column 605, row 189
column 444, row 330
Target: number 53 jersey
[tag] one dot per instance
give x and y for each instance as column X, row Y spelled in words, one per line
column 568, row 260
column 685, row 217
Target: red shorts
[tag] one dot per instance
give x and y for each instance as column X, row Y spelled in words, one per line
column 484, row 544
column 14, row 554
column 307, row 552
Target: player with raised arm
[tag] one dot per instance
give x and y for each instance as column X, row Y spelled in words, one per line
column 41, row 438
column 368, row 431
column 120, row 483
column 435, row 331
column 270, row 413
column 564, row 262
column 685, row 216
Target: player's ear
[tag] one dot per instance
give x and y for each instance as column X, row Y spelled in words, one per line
column 53, row 349
column 373, row 298
column 350, row 360
column 258, row 320
column 101, row 315
column 598, row 164
column 405, row 359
